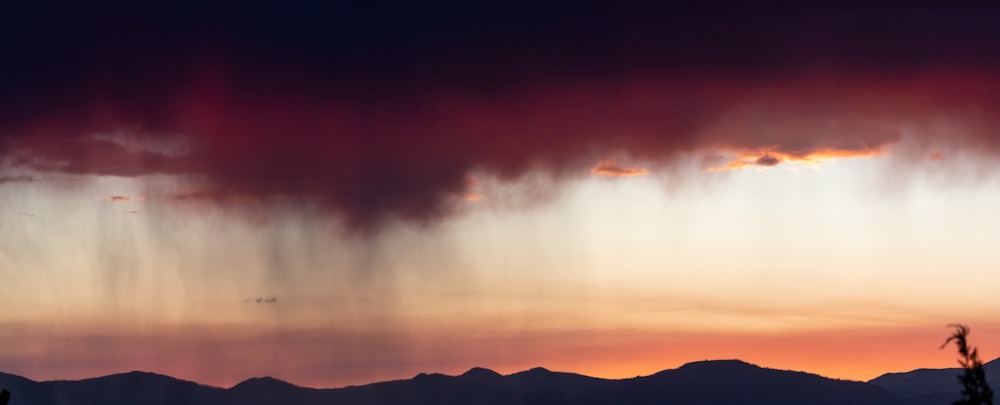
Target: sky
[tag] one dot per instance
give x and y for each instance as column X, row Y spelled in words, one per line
column 343, row 193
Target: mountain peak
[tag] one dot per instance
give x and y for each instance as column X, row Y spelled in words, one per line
column 149, row 374
column 533, row 373
column 729, row 363
column 481, row 373
column 141, row 373
column 428, row 376
column 270, row 382
column 137, row 375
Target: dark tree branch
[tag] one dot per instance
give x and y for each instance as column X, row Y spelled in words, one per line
column 975, row 390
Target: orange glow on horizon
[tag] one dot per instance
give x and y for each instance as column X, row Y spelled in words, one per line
column 858, row 355
column 189, row 350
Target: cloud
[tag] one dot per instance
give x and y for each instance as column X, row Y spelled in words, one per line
column 767, row 160
column 756, row 158
column 91, row 155
column 387, row 120
column 20, row 178
column 612, row 169
column 123, row 198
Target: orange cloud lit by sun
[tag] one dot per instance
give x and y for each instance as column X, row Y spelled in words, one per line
column 470, row 186
column 762, row 158
column 613, row 169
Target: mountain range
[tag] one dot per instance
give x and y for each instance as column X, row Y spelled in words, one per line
column 704, row 382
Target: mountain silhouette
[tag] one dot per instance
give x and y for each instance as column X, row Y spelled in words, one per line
column 737, row 382
column 128, row 388
column 933, row 386
column 698, row 383
column 269, row 390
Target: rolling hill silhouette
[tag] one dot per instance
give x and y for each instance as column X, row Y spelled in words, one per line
column 933, row 386
column 698, row 383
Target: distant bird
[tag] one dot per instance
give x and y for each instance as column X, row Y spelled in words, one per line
column 27, row 214
column 132, row 212
column 261, row 300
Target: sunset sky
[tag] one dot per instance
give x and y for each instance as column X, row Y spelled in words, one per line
column 346, row 193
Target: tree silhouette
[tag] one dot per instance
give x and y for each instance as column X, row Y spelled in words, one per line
column 4, row 397
column 975, row 390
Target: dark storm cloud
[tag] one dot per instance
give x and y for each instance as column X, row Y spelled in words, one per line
column 90, row 155
column 380, row 110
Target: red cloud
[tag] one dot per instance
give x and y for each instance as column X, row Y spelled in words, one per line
column 349, row 116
